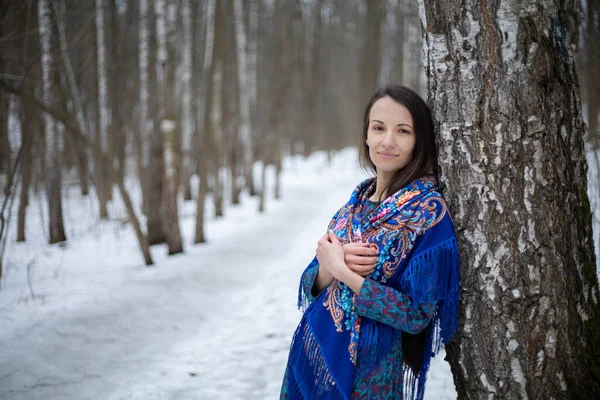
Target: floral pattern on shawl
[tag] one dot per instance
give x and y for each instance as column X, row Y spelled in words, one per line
column 392, row 228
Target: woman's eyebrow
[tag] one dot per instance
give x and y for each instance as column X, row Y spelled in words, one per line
column 381, row 122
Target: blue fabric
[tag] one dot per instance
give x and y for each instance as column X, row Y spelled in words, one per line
column 414, row 258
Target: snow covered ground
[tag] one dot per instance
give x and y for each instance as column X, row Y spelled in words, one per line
column 87, row 319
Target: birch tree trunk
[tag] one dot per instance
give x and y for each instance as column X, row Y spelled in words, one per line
column 5, row 156
column 278, row 113
column 212, row 12
column 29, row 116
column 244, row 90
column 156, row 160
column 144, row 124
column 52, row 135
column 215, row 133
column 102, row 185
column 170, row 214
column 505, row 99
column 187, row 125
column 370, row 60
column 252, row 87
column 312, row 78
column 117, row 93
column 399, row 19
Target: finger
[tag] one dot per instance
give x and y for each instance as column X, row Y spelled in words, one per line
column 360, row 249
column 369, row 251
column 361, row 260
column 333, row 238
column 360, row 268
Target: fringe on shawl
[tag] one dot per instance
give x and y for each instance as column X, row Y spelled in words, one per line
column 433, row 276
column 304, row 301
column 375, row 341
column 309, row 377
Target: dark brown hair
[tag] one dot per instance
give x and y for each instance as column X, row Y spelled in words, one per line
column 424, row 156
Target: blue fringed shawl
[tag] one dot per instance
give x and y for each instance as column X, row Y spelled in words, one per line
column 418, row 256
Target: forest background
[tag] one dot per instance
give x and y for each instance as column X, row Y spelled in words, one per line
column 165, row 106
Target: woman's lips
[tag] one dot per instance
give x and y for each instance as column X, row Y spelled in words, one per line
column 387, row 155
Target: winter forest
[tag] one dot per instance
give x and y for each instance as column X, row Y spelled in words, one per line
column 167, row 166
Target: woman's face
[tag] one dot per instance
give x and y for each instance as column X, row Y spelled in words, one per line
column 390, row 137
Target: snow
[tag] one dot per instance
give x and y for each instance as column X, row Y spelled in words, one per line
column 87, row 319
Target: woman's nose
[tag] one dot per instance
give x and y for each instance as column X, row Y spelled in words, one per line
column 388, row 139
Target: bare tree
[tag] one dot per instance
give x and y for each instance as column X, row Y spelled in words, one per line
column 169, row 211
column 370, row 59
column 102, row 185
column 505, row 99
column 244, row 89
column 53, row 138
column 213, row 12
column 187, row 125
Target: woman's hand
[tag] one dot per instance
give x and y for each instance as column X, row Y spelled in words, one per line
column 360, row 257
column 330, row 254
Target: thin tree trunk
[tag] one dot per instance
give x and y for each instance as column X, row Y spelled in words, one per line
column 29, row 128
column 216, row 130
column 213, row 15
column 513, row 170
column 370, row 60
column 143, row 148
column 102, row 180
column 311, row 79
column 170, row 215
column 215, row 133
column 252, row 83
column 400, row 19
column 244, row 95
column 53, row 137
column 5, row 156
column 278, row 116
column 27, row 132
column 187, row 125
column 116, row 93
column 156, row 166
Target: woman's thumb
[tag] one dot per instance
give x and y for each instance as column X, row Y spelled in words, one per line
column 333, row 237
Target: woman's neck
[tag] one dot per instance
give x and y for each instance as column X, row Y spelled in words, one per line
column 380, row 189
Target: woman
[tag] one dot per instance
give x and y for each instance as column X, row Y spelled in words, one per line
column 381, row 295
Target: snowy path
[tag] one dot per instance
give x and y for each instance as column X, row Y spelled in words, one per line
column 213, row 323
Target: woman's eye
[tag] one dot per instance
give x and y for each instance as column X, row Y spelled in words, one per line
column 378, row 128
column 404, row 131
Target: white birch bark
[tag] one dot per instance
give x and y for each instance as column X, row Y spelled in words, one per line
column 186, row 86
column 47, row 65
column 161, row 37
column 210, row 33
column 211, row 9
column 252, row 78
column 52, row 134
column 244, row 89
column 505, row 101
column 102, row 78
column 144, row 60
